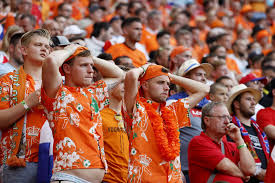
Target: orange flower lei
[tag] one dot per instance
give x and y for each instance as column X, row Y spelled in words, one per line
column 166, row 131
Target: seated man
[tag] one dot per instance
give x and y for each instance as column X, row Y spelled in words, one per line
column 241, row 104
column 73, row 112
column 212, row 155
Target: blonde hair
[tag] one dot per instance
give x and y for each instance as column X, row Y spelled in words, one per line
column 26, row 38
column 9, row 33
column 218, row 63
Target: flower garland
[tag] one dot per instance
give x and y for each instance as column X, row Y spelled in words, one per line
column 166, row 131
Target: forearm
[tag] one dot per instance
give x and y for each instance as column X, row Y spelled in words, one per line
column 11, row 115
column 227, row 167
column 189, row 85
column 59, row 56
column 247, row 163
column 107, row 69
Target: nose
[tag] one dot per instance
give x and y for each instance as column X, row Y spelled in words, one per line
column 166, row 87
column 90, row 69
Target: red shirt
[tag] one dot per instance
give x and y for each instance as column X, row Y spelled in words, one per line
column 266, row 117
column 204, row 155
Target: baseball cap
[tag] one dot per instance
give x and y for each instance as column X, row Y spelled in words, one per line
column 252, row 77
column 60, row 41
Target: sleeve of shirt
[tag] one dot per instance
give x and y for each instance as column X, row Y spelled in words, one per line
column 263, row 119
column 5, row 87
column 181, row 107
column 101, row 93
column 204, row 154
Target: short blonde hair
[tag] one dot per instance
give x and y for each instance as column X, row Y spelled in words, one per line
column 26, row 38
column 218, row 63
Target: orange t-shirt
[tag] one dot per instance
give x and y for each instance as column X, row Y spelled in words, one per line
column 146, row 163
column 116, row 146
column 149, row 40
column 232, row 65
column 76, row 123
column 35, row 119
column 121, row 49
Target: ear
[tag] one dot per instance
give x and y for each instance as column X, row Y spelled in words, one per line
column 212, row 97
column 124, row 30
column 206, row 121
column 236, row 104
column 273, row 92
column 11, row 48
column 66, row 68
column 23, row 50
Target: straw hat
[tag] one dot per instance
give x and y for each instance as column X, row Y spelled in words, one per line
column 191, row 64
column 239, row 89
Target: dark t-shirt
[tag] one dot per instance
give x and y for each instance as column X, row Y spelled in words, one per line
column 258, row 148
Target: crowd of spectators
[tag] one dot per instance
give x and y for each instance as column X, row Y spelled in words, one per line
column 97, row 90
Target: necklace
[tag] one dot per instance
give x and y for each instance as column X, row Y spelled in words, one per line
column 165, row 128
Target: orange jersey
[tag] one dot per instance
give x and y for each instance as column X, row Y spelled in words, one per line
column 116, row 146
column 232, row 65
column 35, row 119
column 76, row 123
column 121, row 49
column 146, row 163
column 149, row 40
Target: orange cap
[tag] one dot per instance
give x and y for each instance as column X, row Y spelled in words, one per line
column 77, row 51
column 246, row 8
column 154, row 71
column 178, row 50
column 216, row 23
column 261, row 34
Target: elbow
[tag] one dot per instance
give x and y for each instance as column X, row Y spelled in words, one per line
column 131, row 75
column 249, row 171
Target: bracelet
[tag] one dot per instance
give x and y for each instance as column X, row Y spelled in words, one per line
column 241, row 146
column 25, row 105
column 143, row 73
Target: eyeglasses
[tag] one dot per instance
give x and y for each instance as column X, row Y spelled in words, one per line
column 222, row 117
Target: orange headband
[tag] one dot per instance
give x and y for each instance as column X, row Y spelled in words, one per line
column 261, row 34
column 178, row 50
column 77, row 51
column 152, row 72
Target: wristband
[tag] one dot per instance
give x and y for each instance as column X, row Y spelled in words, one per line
column 25, row 105
column 142, row 72
column 241, row 146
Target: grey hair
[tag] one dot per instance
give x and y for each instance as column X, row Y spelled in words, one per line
column 207, row 110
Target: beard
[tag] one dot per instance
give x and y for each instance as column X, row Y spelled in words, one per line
column 247, row 113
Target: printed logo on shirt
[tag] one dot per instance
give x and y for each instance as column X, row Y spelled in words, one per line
column 196, row 112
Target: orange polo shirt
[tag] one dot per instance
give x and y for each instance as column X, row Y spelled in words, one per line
column 74, row 116
column 146, row 163
column 121, row 49
column 116, row 146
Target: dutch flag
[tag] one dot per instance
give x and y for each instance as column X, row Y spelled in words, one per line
column 45, row 161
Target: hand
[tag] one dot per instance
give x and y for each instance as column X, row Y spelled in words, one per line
column 33, row 99
column 71, row 48
column 234, row 133
column 261, row 175
column 246, row 178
